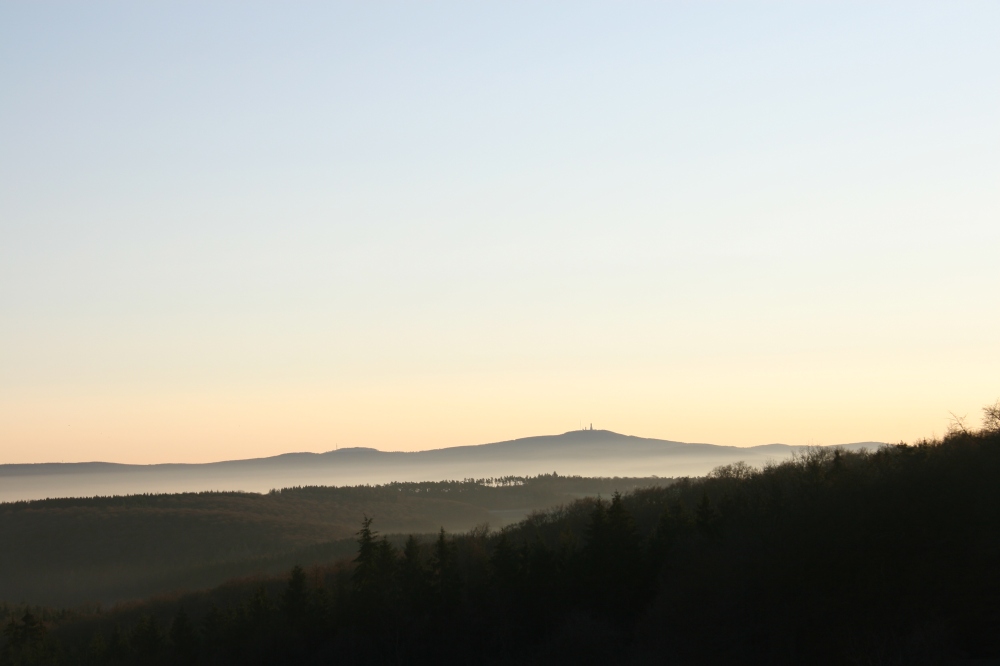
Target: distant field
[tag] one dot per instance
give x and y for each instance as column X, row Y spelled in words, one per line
column 61, row 552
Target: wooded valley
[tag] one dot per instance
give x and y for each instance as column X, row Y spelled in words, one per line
column 64, row 552
column 836, row 557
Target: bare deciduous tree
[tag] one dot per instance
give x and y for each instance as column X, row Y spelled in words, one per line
column 957, row 425
column 991, row 417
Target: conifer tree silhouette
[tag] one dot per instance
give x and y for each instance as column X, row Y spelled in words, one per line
column 183, row 639
column 413, row 577
column 444, row 573
column 295, row 600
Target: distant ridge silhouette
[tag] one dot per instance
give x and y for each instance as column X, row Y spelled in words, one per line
column 577, row 452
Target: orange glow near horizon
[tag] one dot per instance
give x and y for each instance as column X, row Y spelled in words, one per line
column 193, row 428
column 225, row 239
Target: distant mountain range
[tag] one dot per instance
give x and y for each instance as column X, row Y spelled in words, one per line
column 580, row 452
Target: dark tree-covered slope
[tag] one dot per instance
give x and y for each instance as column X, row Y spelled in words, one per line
column 105, row 549
column 881, row 557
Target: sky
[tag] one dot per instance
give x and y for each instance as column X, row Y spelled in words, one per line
column 232, row 230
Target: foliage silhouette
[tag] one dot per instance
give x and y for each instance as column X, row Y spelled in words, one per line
column 885, row 556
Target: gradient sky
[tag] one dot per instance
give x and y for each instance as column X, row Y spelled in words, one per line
column 231, row 230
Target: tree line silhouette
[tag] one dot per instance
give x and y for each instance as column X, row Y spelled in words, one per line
column 886, row 556
column 67, row 551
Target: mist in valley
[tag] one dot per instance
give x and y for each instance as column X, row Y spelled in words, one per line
column 589, row 453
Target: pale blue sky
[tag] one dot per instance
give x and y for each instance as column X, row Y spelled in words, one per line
column 234, row 229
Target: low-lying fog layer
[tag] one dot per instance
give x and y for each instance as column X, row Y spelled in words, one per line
column 584, row 453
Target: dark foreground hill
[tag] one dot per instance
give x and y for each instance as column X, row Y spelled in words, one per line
column 579, row 453
column 106, row 549
column 871, row 557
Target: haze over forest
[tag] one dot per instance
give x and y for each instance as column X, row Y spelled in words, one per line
column 594, row 453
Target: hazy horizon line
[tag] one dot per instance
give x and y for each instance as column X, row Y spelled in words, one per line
column 442, row 448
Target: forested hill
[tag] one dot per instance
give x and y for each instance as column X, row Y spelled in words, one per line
column 580, row 453
column 871, row 557
column 107, row 549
